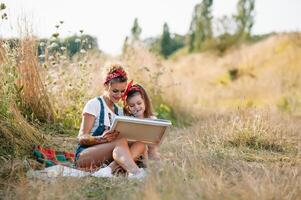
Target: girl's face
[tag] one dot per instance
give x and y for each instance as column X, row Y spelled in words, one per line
column 115, row 91
column 136, row 106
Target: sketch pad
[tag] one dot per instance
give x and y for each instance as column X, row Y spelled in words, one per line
column 149, row 131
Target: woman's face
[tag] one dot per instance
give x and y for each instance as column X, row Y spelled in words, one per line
column 115, row 91
column 136, row 106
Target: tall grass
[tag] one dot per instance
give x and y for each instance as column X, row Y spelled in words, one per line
column 147, row 69
column 17, row 136
column 242, row 141
column 200, row 162
column 268, row 75
column 70, row 84
column 33, row 93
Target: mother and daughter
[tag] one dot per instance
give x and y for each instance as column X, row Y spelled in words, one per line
column 97, row 145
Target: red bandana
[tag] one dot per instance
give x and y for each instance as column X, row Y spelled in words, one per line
column 130, row 87
column 115, row 74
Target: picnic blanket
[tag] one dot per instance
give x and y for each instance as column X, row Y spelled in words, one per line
column 61, row 164
column 57, row 163
column 51, row 157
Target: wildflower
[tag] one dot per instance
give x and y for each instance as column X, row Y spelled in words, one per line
column 55, row 35
column 63, row 48
column 2, row 6
column 53, row 39
column 83, row 51
column 53, row 45
column 4, row 16
column 42, row 44
column 63, row 57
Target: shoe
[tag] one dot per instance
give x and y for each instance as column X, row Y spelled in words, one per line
column 105, row 172
column 140, row 175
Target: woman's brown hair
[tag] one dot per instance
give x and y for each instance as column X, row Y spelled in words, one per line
column 114, row 73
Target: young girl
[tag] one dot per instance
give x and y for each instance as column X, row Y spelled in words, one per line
column 137, row 104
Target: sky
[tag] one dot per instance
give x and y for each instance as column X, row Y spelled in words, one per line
column 111, row 21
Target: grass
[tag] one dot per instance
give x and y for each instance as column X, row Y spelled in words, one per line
column 204, row 161
column 16, row 135
column 234, row 140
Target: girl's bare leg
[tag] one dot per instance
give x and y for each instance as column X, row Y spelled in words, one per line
column 118, row 150
column 137, row 149
column 153, row 152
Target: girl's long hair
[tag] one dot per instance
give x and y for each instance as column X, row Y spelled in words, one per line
column 138, row 90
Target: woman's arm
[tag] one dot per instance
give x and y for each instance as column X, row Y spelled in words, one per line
column 84, row 137
column 88, row 140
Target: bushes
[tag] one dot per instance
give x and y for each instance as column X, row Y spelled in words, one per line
column 68, row 46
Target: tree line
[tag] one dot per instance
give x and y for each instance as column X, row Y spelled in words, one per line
column 204, row 33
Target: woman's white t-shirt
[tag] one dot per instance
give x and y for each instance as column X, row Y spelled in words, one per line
column 93, row 107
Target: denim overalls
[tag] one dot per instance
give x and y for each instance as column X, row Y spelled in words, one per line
column 100, row 129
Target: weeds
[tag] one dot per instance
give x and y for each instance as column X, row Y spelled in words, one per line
column 230, row 149
column 17, row 136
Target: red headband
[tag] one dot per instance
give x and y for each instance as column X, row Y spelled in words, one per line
column 130, row 87
column 115, row 74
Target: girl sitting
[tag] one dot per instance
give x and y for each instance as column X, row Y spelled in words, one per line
column 137, row 104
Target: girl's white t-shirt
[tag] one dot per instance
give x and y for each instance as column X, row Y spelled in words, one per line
column 93, row 107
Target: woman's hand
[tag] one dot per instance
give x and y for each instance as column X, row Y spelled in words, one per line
column 109, row 136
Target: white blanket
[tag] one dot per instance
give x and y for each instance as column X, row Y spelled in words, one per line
column 57, row 171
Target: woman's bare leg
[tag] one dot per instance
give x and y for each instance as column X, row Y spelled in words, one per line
column 118, row 149
column 137, row 149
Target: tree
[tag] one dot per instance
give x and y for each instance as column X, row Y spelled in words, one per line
column 245, row 17
column 125, row 45
column 136, row 30
column 166, row 42
column 200, row 27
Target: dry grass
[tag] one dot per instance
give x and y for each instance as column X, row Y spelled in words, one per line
column 70, row 83
column 243, row 142
column 17, row 135
column 33, row 93
column 268, row 76
column 200, row 162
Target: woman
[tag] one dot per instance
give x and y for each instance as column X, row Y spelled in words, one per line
column 96, row 143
